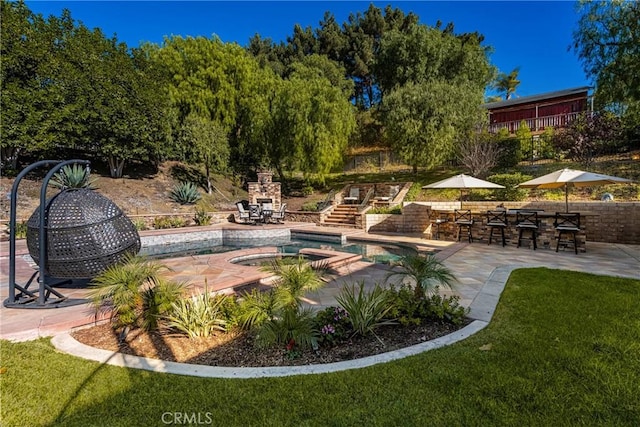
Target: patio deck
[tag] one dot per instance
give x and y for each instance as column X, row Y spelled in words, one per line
column 477, row 267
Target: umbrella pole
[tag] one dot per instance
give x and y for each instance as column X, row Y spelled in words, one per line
column 566, row 197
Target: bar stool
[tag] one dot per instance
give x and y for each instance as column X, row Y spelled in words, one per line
column 464, row 219
column 440, row 220
column 567, row 223
column 527, row 221
column 497, row 219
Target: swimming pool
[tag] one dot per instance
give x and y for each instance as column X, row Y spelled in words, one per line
column 380, row 253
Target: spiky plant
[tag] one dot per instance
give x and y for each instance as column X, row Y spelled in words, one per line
column 72, row 176
column 426, row 271
column 198, row 316
column 185, row 193
column 366, row 311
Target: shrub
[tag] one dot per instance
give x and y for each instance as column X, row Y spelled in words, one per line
column 406, row 308
column 446, row 308
column 201, row 217
column 332, row 324
column 425, row 270
column 413, row 192
column 365, row 311
column 510, row 180
column 162, row 222
column 140, row 224
column 72, row 176
column 310, row 206
column 255, row 308
column 198, row 316
column 307, row 190
column 394, row 210
column 20, row 231
column 185, row 193
column 510, row 153
column 292, row 327
column 134, row 292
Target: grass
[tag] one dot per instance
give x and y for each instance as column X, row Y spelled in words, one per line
column 563, row 349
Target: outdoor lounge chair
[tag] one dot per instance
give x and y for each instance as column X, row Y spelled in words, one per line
column 279, row 214
column 354, row 195
column 242, row 213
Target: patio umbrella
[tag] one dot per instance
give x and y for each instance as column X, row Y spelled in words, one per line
column 462, row 182
column 566, row 178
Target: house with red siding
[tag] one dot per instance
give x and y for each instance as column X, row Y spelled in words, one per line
column 552, row 109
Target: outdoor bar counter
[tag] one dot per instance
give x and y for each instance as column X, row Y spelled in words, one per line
column 546, row 233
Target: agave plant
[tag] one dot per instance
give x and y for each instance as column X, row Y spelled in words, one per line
column 72, row 176
column 185, row 193
column 426, row 271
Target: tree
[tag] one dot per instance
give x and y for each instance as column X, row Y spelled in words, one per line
column 422, row 120
column 607, row 41
column 28, row 95
column 479, row 152
column 208, row 143
column 523, row 135
column 588, row 136
column 309, row 125
column 508, row 83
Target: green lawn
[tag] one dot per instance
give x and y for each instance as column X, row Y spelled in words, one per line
column 562, row 349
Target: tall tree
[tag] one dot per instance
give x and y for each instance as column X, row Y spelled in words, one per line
column 423, row 120
column 508, row 83
column 310, row 123
column 208, row 143
column 607, row 40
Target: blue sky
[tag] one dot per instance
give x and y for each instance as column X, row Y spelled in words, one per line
column 532, row 35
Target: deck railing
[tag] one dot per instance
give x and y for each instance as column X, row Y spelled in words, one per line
column 536, row 123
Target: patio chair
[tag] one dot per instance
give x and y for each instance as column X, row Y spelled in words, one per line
column 527, row 222
column 279, row 214
column 242, row 213
column 463, row 219
column 497, row 219
column 567, row 223
column 267, row 212
column 441, row 219
column 255, row 214
column 354, row 195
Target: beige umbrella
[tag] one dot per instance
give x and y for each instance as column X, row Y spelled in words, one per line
column 462, row 182
column 566, row 178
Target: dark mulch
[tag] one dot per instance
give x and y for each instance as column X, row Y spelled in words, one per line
column 238, row 349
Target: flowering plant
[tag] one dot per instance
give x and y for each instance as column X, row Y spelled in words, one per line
column 333, row 324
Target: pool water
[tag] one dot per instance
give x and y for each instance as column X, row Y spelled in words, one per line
column 380, row 253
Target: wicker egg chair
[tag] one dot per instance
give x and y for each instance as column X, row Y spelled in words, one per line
column 85, row 234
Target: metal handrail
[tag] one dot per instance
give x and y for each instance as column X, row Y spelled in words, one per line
column 365, row 201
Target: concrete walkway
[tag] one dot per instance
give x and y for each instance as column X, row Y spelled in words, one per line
column 481, row 270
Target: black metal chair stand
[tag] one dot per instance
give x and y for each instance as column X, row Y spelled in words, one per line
column 463, row 219
column 567, row 223
column 497, row 219
column 527, row 222
column 76, row 234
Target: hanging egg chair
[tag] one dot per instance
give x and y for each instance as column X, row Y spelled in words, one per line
column 85, row 234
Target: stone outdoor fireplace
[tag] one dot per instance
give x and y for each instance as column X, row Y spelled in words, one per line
column 265, row 190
